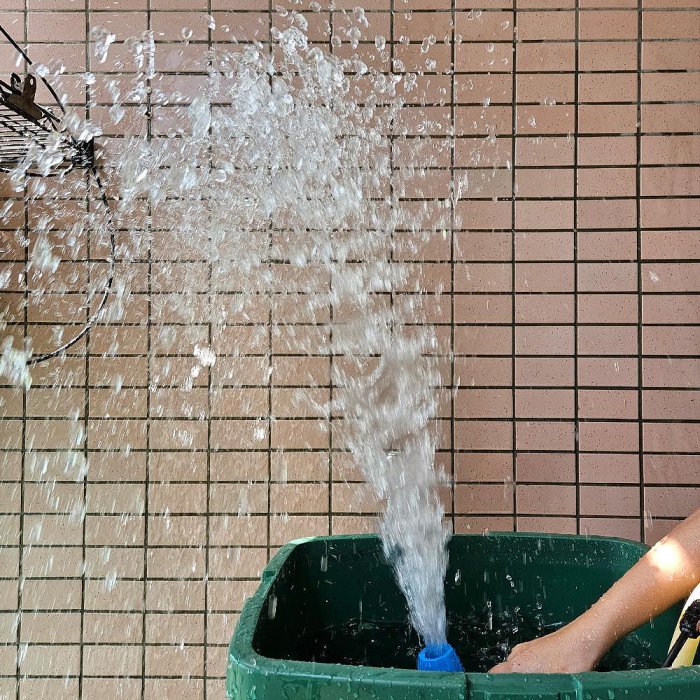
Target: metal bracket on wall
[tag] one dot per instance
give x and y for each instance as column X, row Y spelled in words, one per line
column 24, row 125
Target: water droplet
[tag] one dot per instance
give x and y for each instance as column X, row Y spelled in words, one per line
column 272, row 607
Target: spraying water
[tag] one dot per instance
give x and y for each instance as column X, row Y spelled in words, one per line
column 281, row 177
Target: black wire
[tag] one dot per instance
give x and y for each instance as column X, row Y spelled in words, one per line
column 29, row 62
column 36, row 359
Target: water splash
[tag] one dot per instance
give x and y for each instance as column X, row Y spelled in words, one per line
column 280, row 179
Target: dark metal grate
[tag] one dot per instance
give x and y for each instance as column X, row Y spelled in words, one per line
column 20, row 135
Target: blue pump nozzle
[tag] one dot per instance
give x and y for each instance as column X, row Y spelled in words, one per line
column 439, row 657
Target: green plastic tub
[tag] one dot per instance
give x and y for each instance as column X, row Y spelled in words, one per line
column 329, row 623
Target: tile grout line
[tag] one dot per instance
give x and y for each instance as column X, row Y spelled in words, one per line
column 311, row 419
column 210, row 369
column 392, row 128
column 453, row 206
column 86, row 420
column 503, row 292
column 270, row 358
column 149, row 368
column 577, row 435
column 23, row 458
column 416, row 11
column 331, row 358
column 192, row 514
column 640, row 298
column 473, row 482
column 513, row 254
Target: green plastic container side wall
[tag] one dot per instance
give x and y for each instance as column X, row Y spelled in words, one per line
column 311, row 584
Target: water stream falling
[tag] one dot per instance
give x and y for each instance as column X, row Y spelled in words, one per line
column 288, row 181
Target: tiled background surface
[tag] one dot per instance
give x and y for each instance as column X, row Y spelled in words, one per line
column 573, row 318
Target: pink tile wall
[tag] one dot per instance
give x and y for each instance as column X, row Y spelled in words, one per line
column 569, row 299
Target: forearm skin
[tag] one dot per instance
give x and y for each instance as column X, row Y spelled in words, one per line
column 665, row 575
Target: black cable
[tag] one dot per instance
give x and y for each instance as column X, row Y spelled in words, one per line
column 36, row 359
column 29, row 62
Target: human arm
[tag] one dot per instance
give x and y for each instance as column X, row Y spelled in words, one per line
column 667, row 573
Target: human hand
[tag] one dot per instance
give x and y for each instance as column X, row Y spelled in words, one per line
column 664, row 575
column 568, row 650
